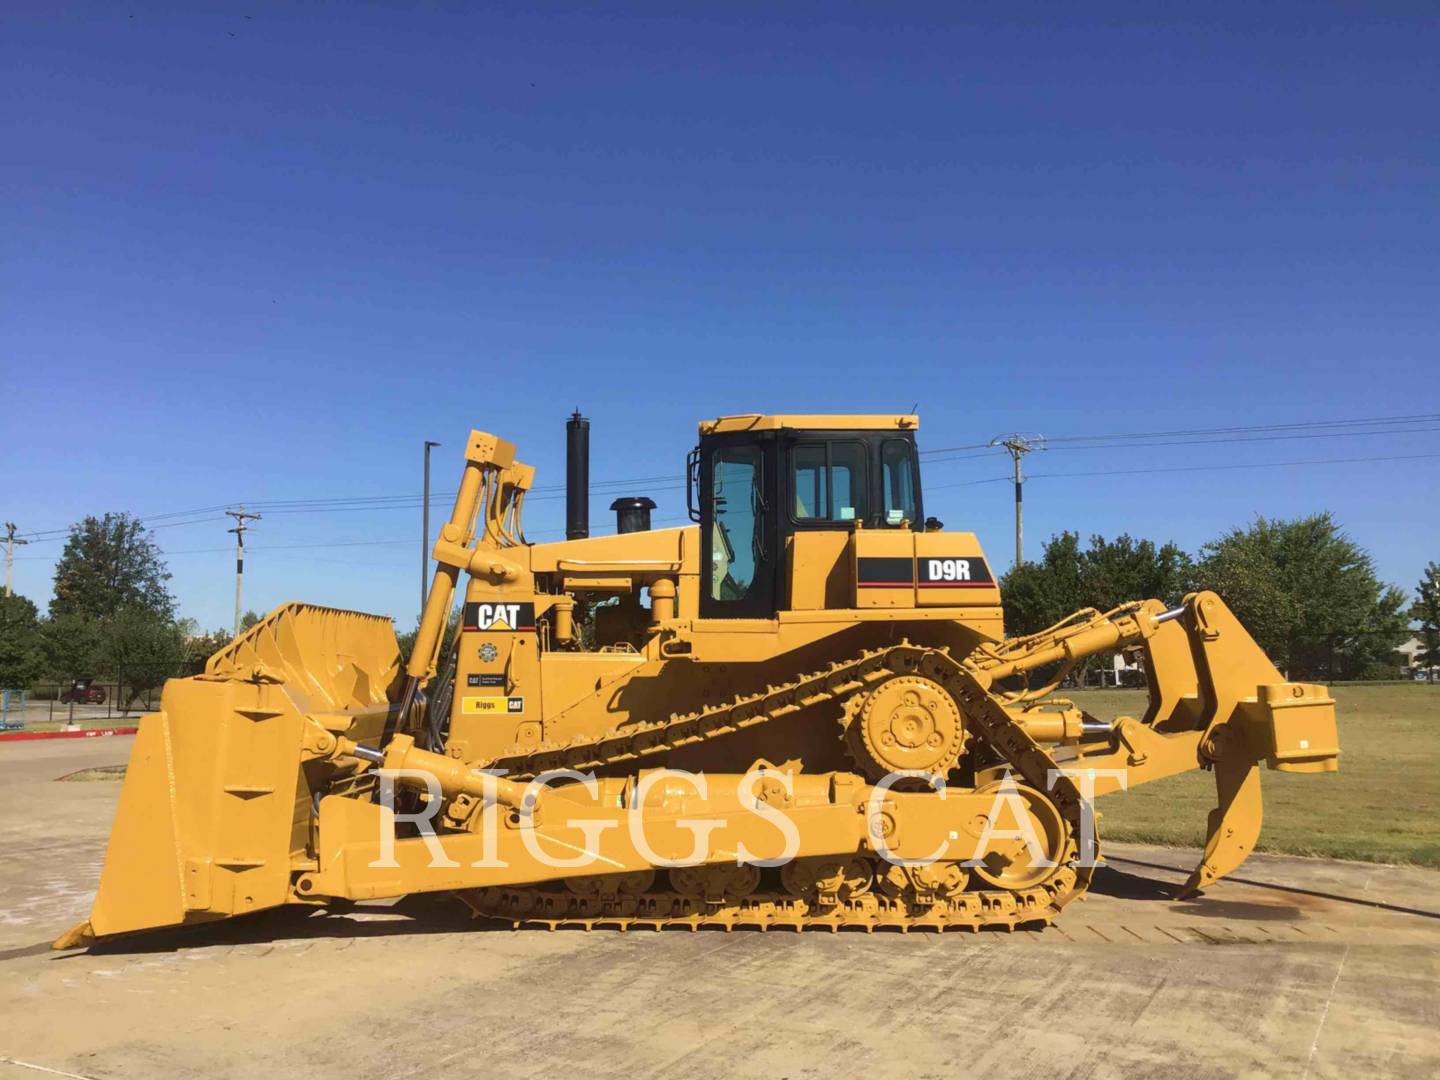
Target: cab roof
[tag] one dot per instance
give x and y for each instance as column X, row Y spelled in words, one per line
column 809, row 422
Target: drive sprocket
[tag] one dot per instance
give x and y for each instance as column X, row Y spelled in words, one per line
column 906, row 724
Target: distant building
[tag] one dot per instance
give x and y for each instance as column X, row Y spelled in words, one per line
column 1409, row 657
column 1125, row 668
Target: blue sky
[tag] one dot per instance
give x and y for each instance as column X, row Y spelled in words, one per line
column 260, row 253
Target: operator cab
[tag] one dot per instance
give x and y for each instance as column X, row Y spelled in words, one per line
column 763, row 479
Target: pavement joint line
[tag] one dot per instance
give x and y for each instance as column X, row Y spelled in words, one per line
column 43, row 1068
column 1325, row 1012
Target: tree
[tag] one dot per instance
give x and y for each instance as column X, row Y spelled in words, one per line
column 406, row 638
column 108, row 564
column 142, row 649
column 71, row 645
column 1309, row 596
column 1104, row 575
column 1426, row 611
column 1040, row 594
column 22, row 656
column 1124, row 569
column 200, row 647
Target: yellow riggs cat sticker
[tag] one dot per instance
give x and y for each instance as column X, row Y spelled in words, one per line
column 477, row 706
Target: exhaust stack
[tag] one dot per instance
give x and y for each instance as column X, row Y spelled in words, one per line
column 577, row 477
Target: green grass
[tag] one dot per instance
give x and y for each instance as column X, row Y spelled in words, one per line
column 1382, row 806
column 102, row 772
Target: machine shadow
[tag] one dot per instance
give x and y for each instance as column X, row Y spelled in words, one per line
column 1123, row 885
column 1161, row 891
column 416, row 915
column 420, row 914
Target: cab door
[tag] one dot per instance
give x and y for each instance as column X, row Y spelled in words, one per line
column 739, row 526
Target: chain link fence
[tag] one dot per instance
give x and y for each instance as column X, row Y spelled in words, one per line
column 78, row 704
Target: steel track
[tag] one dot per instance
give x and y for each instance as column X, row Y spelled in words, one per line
column 972, row 909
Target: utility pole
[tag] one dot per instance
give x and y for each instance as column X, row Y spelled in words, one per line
column 1018, row 446
column 10, row 542
column 425, row 534
column 240, row 517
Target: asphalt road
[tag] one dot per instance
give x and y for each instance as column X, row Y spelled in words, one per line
column 1295, row 967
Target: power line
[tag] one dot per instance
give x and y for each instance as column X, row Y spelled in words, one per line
column 348, row 504
column 989, row 453
column 952, row 449
column 1219, row 440
column 1222, row 468
column 342, row 543
column 1393, row 425
column 1426, row 418
column 53, row 536
column 1225, row 441
column 414, row 503
column 967, row 483
column 42, row 533
column 928, row 487
column 1419, row 418
column 414, row 500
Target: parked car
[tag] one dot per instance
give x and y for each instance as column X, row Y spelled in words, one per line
column 83, row 692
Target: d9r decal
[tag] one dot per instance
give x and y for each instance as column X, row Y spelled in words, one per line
column 959, row 572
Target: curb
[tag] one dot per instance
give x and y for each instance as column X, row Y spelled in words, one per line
column 89, row 733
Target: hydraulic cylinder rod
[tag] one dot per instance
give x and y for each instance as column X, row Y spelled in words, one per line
column 485, row 456
column 1102, row 634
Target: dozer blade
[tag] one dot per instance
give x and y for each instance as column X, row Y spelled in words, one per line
column 216, row 806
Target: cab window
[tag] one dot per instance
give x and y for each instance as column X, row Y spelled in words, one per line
column 898, row 476
column 827, row 481
column 735, row 541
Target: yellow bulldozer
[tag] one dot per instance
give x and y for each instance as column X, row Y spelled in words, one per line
column 799, row 711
